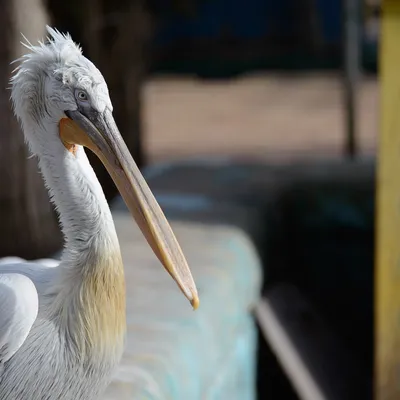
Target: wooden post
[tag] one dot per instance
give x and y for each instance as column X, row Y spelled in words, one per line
column 351, row 72
column 387, row 278
column 29, row 226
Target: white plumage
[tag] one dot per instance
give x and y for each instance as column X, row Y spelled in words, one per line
column 62, row 324
column 19, row 306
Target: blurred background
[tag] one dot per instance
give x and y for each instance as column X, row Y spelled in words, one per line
column 253, row 79
column 286, row 91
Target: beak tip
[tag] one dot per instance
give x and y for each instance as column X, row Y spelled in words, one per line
column 195, row 302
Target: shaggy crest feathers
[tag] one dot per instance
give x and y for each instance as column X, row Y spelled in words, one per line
column 43, row 86
column 28, row 80
column 59, row 48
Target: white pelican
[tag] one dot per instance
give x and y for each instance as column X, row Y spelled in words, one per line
column 62, row 328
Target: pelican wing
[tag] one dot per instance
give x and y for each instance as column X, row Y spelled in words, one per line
column 18, row 311
column 20, row 282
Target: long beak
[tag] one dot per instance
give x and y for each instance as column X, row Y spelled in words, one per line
column 100, row 134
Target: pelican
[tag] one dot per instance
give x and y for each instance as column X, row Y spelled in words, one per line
column 62, row 327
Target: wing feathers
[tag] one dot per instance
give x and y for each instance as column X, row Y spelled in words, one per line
column 18, row 311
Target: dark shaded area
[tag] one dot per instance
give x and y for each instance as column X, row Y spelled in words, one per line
column 313, row 226
column 271, row 381
column 323, row 242
column 334, row 369
column 220, row 38
column 329, row 229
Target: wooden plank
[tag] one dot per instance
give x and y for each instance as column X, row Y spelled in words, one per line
column 387, row 278
column 315, row 361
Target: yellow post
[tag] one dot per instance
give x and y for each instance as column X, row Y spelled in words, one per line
column 387, row 289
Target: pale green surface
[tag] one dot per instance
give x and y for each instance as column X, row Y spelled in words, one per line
column 172, row 351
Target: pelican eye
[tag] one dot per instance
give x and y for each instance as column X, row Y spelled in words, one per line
column 81, row 95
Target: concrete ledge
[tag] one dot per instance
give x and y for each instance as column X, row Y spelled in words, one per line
column 172, row 351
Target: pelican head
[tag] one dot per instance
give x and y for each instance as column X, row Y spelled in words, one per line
column 55, row 85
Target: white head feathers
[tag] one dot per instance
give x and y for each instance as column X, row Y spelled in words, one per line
column 45, row 84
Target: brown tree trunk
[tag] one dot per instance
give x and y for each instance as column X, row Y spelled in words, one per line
column 29, row 225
